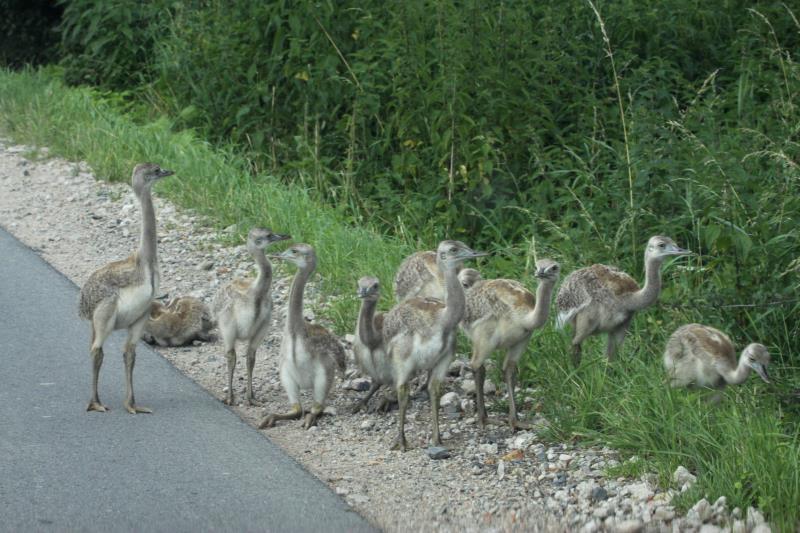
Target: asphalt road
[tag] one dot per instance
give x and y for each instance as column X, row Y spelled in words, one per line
column 193, row 465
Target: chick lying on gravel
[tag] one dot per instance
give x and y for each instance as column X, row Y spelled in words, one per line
column 179, row 322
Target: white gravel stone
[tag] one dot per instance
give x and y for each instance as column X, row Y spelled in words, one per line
column 700, row 512
column 521, row 440
column 602, row 511
column 663, row 514
column 358, row 499
column 450, row 398
column 489, row 448
column 682, row 477
column 721, row 504
column 754, row 518
column 629, row 526
column 640, row 491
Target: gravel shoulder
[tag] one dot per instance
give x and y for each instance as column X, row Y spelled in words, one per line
column 494, row 480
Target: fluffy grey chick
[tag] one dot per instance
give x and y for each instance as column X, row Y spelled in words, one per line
column 704, row 356
column 179, row 322
column 602, row 299
column 419, row 277
column 118, row 295
column 310, row 353
column 369, row 347
column 243, row 309
column 420, row 335
column 502, row 315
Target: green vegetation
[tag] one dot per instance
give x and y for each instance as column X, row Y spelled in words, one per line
column 83, row 124
column 571, row 130
column 27, row 32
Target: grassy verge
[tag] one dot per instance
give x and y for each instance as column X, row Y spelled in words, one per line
column 81, row 124
column 747, row 449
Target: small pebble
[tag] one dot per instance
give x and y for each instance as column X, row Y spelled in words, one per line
column 437, row 452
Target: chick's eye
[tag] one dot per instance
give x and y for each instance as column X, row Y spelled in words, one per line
column 661, row 245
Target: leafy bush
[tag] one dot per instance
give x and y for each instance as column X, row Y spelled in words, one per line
column 27, row 31
column 110, row 42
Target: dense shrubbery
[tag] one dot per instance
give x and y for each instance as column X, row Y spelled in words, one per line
column 28, row 32
column 452, row 109
column 111, row 42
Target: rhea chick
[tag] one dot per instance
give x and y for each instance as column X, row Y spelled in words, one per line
column 244, row 309
column 602, row 299
column 179, row 322
column 502, row 314
column 423, row 286
column 118, row 295
column 704, row 356
column 418, row 276
column 420, row 334
column 469, row 277
column 309, row 352
column 369, row 347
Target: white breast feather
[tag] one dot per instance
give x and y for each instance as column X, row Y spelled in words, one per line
column 133, row 302
column 566, row 315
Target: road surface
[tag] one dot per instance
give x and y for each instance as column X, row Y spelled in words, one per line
column 193, row 465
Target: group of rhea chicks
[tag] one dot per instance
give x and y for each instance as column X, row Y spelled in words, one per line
column 436, row 296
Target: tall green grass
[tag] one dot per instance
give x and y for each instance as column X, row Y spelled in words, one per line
column 747, row 448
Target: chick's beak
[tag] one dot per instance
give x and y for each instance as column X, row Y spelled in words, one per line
column 677, row 250
column 284, row 255
column 473, row 253
column 275, row 237
column 761, row 370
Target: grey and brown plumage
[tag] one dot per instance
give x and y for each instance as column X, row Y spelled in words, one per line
column 420, row 335
column 418, row 276
column 243, row 309
column 369, row 347
column 603, row 299
column 501, row 314
column 118, row 295
column 310, row 353
column 179, row 322
column 705, row 357
column 469, row 277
